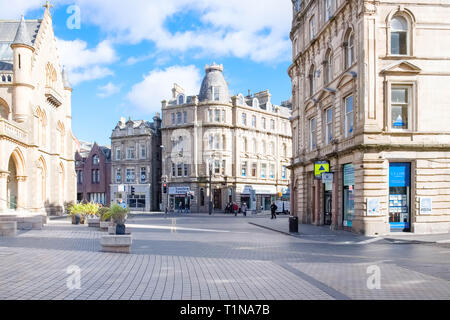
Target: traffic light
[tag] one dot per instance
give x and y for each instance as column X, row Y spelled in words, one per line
column 132, row 191
column 165, row 188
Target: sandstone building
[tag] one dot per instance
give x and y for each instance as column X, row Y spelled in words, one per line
column 36, row 143
column 245, row 141
column 371, row 98
column 136, row 164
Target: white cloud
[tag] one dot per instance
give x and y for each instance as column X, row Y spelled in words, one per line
column 14, row 11
column 255, row 29
column 108, row 90
column 85, row 64
column 156, row 86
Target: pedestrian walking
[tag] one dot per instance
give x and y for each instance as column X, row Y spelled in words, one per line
column 244, row 209
column 273, row 209
column 180, row 207
column 235, row 209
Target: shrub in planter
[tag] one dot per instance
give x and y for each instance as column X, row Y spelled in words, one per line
column 91, row 209
column 118, row 215
column 104, row 213
column 76, row 211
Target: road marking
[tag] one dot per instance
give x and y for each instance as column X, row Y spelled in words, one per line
column 370, row 240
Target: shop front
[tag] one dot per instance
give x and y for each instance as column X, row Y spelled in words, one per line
column 179, row 198
column 399, row 196
column 348, row 195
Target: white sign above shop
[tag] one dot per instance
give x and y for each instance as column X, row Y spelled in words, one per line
column 179, row 190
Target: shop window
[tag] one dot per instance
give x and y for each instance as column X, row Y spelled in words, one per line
column 349, row 194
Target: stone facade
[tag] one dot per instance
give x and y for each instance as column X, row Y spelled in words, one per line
column 136, row 164
column 246, row 139
column 370, row 96
column 36, row 142
column 94, row 175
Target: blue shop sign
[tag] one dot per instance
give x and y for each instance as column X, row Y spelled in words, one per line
column 399, row 174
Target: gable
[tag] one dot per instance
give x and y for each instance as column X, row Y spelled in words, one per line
column 403, row 67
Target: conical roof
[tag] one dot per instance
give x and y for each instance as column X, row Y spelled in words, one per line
column 22, row 35
column 214, row 78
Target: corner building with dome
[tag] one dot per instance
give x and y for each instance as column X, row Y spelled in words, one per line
column 222, row 148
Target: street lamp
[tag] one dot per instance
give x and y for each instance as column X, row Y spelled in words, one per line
column 211, row 159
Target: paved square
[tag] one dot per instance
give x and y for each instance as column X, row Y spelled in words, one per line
column 219, row 258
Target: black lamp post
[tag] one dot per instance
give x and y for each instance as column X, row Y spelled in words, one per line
column 210, row 187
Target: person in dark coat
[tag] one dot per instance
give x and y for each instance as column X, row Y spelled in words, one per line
column 273, row 209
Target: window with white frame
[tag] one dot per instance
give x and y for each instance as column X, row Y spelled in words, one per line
column 244, row 119
column 210, row 115
column 312, row 27
column 283, row 172
column 328, row 125
column 244, row 168
column 399, row 36
column 184, row 116
column 263, row 123
column 254, row 121
column 181, row 99
column 263, row 170
column 95, row 160
column 216, row 166
column 328, row 9
column 254, row 165
column 180, row 170
column 223, row 116
column 350, row 50
column 118, row 175
column 117, row 153
column 143, row 174
column 272, row 171
column 401, row 107
column 224, row 167
column 272, row 124
column 186, row 170
column 217, row 141
column 349, row 120
column 143, row 151
column 179, row 118
column 211, row 142
column 130, row 175
column 131, row 153
column 217, row 115
column 173, row 170
column 312, row 133
column 173, row 118
column 216, row 93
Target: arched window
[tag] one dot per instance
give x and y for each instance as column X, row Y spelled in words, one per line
column 95, row 160
column 328, row 67
column 349, row 49
column 181, row 99
column 255, row 103
column 399, row 36
column 311, row 80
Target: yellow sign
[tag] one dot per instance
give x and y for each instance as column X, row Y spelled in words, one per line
column 321, row 167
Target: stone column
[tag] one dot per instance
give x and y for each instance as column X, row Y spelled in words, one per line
column 3, row 190
column 21, row 192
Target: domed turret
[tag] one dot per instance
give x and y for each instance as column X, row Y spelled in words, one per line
column 214, row 87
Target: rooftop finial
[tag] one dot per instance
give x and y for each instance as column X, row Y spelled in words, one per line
column 47, row 5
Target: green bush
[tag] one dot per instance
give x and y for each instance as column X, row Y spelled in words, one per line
column 91, row 209
column 118, row 214
column 104, row 213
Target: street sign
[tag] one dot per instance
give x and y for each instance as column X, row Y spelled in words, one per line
column 327, row 177
column 321, row 167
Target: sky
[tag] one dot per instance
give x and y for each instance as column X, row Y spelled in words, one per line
column 123, row 57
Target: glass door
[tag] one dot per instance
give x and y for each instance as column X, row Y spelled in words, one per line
column 399, row 196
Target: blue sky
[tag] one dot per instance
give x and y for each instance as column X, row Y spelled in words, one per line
column 126, row 55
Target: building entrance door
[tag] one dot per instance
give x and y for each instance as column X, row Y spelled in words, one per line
column 399, row 196
column 327, row 207
column 217, row 199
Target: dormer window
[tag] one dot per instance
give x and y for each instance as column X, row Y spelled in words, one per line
column 215, row 93
column 255, row 103
column 181, row 99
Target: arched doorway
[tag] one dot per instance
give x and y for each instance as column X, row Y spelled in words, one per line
column 12, row 185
